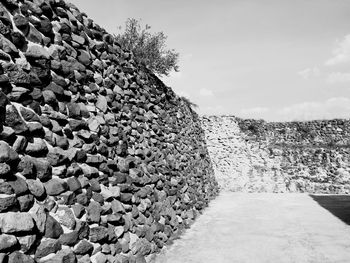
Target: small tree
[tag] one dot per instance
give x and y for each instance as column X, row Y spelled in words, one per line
column 149, row 49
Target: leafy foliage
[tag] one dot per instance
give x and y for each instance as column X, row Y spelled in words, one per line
column 148, row 49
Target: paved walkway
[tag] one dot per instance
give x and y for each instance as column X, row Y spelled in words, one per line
column 262, row 228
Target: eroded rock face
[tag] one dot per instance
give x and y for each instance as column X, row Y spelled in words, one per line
column 256, row 156
column 97, row 155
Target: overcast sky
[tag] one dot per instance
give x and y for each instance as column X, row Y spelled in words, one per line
column 271, row 59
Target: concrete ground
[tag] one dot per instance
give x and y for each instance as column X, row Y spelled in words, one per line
column 262, row 228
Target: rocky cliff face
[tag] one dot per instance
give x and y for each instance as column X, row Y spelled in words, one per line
column 251, row 155
column 99, row 160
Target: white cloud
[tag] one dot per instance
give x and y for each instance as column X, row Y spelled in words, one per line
column 341, row 52
column 206, row 92
column 256, row 112
column 309, row 72
column 337, row 107
column 338, row 77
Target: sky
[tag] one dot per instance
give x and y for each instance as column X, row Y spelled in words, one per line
column 279, row 60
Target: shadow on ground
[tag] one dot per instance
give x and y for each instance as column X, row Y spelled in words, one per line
column 338, row 205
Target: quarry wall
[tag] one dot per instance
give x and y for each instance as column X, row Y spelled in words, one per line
column 99, row 160
column 258, row 156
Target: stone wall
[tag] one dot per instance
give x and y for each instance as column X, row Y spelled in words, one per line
column 99, row 160
column 254, row 155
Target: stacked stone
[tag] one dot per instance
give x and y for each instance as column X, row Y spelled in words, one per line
column 240, row 165
column 99, row 160
column 311, row 156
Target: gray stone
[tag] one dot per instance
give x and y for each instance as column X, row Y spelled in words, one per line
column 26, row 242
column 26, row 167
column 37, row 147
column 7, row 202
column 93, row 214
column 7, row 154
column 18, row 257
column 37, row 51
column 62, row 256
column 25, row 202
column 53, row 229
column 83, row 247
column 14, row 120
column 43, row 169
column 19, row 185
column 7, row 242
column 69, row 239
column 55, row 186
column 12, row 222
column 98, row 234
column 46, row 247
column 39, row 215
column 5, row 170
column 98, row 258
column 101, row 103
column 36, row 188
column 66, row 217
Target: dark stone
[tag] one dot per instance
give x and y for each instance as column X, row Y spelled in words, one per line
column 55, row 186
column 5, row 170
column 43, row 169
column 73, row 184
column 22, row 23
column 36, row 147
column 56, row 89
column 53, row 229
column 19, row 186
column 69, row 239
column 44, row 74
column 19, row 78
column 14, row 120
column 26, row 167
column 98, row 198
column 34, row 35
column 83, row 229
column 84, row 247
column 81, row 156
column 95, row 185
column 57, row 158
column 45, row 27
column 46, row 247
column 18, row 39
column 98, row 234
column 126, row 198
column 77, row 125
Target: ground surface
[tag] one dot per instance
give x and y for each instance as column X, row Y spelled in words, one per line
column 265, row 228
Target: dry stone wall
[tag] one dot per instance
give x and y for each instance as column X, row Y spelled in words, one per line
column 254, row 155
column 99, row 160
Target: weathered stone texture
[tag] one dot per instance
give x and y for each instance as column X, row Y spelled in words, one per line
column 258, row 156
column 97, row 156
